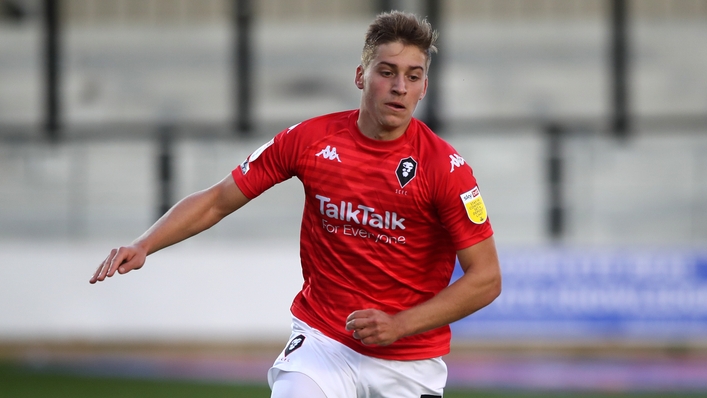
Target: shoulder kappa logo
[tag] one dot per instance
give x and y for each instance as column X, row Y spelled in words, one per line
column 407, row 168
column 329, row 153
column 474, row 205
column 456, row 161
column 294, row 344
column 292, row 127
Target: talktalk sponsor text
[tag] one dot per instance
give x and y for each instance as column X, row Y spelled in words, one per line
column 359, row 214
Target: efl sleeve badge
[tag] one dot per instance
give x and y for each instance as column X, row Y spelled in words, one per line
column 245, row 166
column 474, row 206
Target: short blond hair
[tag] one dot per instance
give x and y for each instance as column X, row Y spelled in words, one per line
column 397, row 26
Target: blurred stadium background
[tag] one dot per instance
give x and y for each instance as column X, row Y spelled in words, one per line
column 585, row 122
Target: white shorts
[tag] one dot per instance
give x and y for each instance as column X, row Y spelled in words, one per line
column 343, row 373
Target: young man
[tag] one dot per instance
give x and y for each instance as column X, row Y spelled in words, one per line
column 389, row 207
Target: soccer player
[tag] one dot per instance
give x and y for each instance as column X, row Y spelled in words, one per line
column 389, row 207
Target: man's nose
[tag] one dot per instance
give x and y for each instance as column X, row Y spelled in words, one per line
column 399, row 85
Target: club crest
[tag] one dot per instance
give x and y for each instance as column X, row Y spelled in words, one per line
column 406, row 171
column 294, row 344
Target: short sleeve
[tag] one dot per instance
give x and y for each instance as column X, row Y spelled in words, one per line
column 270, row 164
column 459, row 203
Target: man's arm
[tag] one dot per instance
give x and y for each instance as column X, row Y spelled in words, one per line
column 477, row 288
column 192, row 215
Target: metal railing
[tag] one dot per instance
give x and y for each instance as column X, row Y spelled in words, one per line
column 210, row 11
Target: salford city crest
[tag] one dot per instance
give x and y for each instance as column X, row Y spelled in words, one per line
column 294, row 344
column 406, row 171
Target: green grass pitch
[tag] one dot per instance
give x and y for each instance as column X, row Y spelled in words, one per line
column 19, row 382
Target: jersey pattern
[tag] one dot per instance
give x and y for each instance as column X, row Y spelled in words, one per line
column 381, row 224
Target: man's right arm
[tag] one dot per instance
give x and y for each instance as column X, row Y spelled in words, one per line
column 192, row 215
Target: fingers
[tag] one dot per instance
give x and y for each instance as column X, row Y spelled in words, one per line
column 351, row 322
column 121, row 260
column 102, row 270
column 358, row 320
column 136, row 262
column 371, row 327
column 360, row 315
column 357, row 325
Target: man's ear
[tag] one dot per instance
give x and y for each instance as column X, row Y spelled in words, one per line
column 359, row 77
column 424, row 90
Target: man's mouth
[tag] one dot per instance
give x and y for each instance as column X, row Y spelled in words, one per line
column 396, row 105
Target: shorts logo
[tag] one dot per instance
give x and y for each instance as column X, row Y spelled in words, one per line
column 456, row 161
column 294, row 344
column 329, row 153
column 474, row 205
column 407, row 168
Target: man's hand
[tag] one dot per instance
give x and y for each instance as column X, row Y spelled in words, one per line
column 373, row 327
column 124, row 259
column 190, row 216
column 477, row 288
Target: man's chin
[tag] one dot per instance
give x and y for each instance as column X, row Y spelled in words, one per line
column 393, row 122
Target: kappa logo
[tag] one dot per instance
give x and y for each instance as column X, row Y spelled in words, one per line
column 407, row 168
column 456, row 161
column 292, row 127
column 329, row 153
column 294, row 344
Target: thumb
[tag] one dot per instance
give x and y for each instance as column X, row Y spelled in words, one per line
column 136, row 262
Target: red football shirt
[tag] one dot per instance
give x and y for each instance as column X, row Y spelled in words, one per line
column 381, row 225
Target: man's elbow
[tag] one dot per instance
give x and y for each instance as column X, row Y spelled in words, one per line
column 494, row 287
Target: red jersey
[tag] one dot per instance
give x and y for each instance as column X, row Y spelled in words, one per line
column 381, row 225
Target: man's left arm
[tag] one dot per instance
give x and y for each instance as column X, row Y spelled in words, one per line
column 478, row 287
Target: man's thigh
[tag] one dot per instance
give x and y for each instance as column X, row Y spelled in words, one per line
column 323, row 360
column 295, row 385
column 340, row 372
column 380, row 378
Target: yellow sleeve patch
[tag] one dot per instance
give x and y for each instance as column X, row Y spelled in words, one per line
column 474, row 205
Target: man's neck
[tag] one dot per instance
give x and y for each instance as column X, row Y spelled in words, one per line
column 374, row 131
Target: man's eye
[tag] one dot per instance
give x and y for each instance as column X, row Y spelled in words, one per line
column 386, row 73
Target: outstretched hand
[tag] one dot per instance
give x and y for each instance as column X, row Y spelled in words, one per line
column 374, row 327
column 122, row 260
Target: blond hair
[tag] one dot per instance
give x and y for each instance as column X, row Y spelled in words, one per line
column 397, row 26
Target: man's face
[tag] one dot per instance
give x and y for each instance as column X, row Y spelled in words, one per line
column 393, row 83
